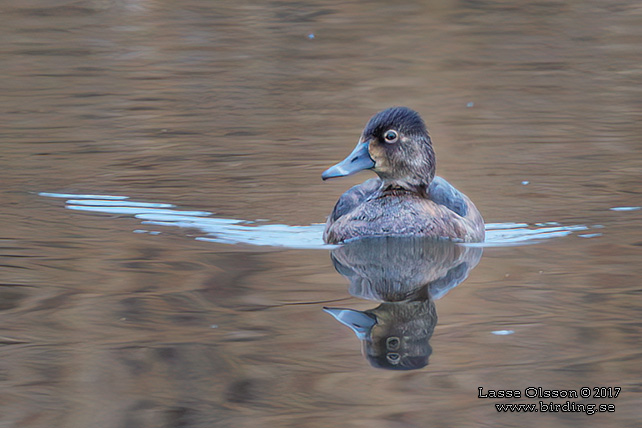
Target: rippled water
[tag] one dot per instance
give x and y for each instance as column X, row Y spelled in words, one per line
column 217, row 119
column 233, row 231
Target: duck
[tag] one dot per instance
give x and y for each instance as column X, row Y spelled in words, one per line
column 406, row 198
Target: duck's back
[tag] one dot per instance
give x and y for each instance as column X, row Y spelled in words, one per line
column 366, row 211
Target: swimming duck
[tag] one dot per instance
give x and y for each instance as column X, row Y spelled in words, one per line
column 406, row 199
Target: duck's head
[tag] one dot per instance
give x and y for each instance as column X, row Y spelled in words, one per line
column 394, row 335
column 395, row 144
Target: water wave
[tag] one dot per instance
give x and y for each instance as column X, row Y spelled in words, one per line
column 235, row 231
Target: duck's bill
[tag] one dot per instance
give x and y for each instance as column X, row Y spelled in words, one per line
column 356, row 161
column 360, row 322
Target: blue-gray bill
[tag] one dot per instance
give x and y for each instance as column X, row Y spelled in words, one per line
column 357, row 161
column 360, row 322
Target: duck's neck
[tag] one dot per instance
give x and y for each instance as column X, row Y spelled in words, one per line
column 390, row 187
column 412, row 174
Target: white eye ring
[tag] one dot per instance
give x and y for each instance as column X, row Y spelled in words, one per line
column 390, row 136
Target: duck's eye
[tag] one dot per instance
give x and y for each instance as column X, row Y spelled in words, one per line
column 393, row 357
column 391, row 136
column 392, row 343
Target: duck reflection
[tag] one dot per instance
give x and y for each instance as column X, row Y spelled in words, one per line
column 406, row 275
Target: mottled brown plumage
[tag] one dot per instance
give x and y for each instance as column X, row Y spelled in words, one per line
column 407, row 199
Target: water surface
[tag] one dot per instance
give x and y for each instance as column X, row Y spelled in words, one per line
column 232, row 111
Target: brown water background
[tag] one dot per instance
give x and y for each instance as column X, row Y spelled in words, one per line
column 236, row 108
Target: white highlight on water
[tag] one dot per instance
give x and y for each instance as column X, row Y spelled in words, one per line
column 502, row 332
column 625, row 208
column 235, row 231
